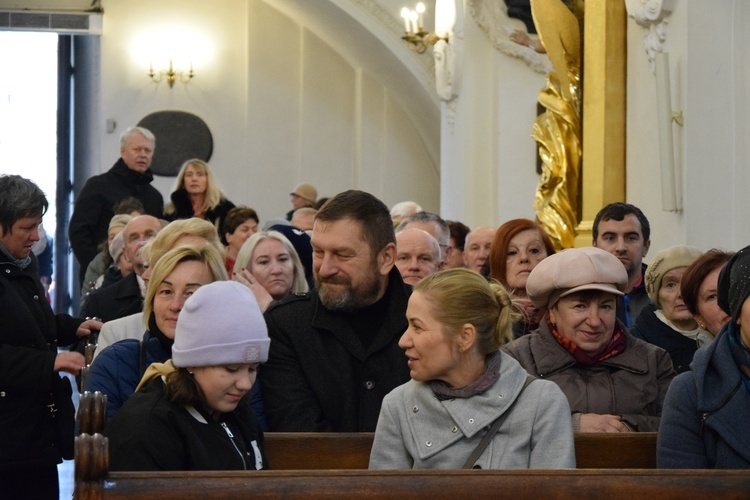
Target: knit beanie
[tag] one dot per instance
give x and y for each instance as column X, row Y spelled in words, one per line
column 734, row 283
column 220, row 324
column 116, row 247
column 666, row 260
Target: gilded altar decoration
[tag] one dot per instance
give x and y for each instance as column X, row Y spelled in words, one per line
column 558, row 129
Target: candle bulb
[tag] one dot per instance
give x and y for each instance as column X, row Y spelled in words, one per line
column 405, row 15
column 420, row 14
column 413, row 18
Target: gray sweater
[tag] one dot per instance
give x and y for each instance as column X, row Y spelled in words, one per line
column 417, row 431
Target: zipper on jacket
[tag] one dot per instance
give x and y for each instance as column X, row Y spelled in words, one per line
column 231, row 438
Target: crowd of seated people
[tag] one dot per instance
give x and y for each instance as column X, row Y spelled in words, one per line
column 437, row 337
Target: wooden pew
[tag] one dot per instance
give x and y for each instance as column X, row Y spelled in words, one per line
column 321, row 451
column 333, row 464
column 433, row 485
column 311, row 451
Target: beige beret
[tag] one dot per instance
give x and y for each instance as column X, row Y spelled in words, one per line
column 573, row 270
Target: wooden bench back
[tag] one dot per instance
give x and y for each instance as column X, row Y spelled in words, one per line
column 310, row 451
column 432, row 485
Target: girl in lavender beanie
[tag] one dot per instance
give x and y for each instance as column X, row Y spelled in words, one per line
column 195, row 416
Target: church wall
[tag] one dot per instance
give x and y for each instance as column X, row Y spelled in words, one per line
column 284, row 105
column 707, row 45
column 488, row 156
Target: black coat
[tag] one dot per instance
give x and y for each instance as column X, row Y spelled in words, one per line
column 654, row 331
column 29, row 335
column 94, row 207
column 115, row 301
column 319, row 377
column 150, row 433
column 184, row 210
column 637, row 301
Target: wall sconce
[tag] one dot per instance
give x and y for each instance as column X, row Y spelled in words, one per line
column 670, row 199
column 419, row 39
column 170, row 74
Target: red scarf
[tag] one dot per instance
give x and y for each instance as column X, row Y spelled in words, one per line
column 616, row 345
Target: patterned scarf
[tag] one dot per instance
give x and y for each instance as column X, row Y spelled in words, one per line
column 616, row 345
column 489, row 377
column 740, row 353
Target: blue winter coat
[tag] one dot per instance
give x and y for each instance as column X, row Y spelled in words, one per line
column 705, row 415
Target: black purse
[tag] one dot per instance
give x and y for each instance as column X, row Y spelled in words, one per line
column 63, row 415
column 61, row 402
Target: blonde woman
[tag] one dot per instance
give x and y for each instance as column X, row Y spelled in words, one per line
column 197, row 194
column 175, row 277
column 269, row 265
column 462, row 385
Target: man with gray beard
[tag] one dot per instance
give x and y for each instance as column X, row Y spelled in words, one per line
column 334, row 351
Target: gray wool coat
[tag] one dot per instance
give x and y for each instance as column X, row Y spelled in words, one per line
column 417, row 431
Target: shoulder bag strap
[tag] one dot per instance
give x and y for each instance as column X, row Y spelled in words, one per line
column 495, row 427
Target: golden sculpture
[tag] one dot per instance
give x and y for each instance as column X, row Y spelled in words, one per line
column 558, row 130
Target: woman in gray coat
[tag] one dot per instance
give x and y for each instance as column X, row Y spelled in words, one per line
column 462, row 384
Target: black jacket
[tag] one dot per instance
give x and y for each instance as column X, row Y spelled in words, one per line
column 637, row 301
column 654, row 331
column 184, row 210
column 29, row 335
column 150, row 433
column 94, row 207
column 115, row 301
column 319, row 377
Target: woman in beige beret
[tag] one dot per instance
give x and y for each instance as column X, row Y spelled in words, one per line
column 613, row 382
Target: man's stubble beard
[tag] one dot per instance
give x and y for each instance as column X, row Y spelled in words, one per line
column 349, row 299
